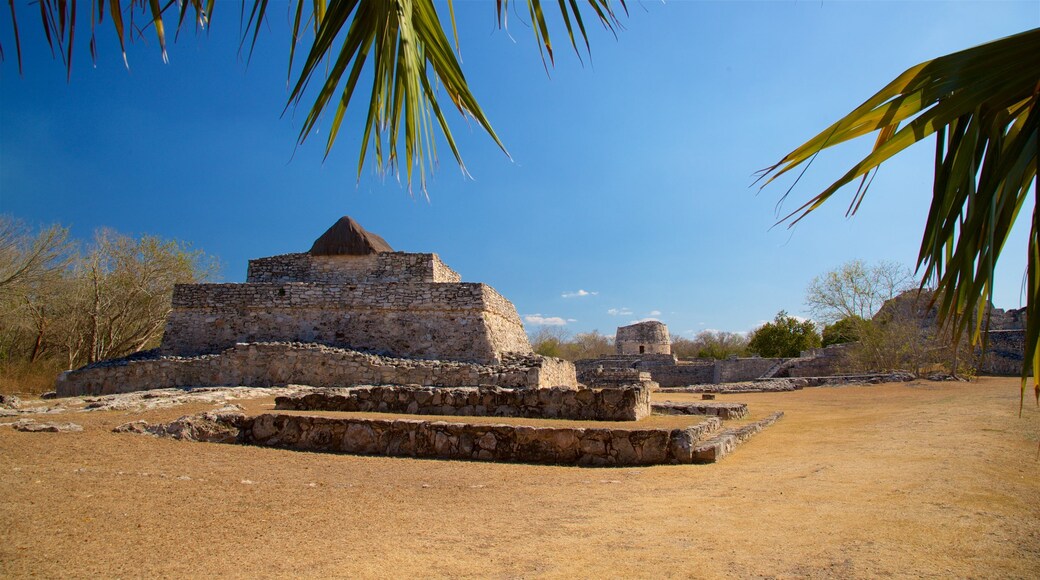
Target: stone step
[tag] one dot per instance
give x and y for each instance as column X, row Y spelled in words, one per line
column 716, row 409
column 630, row 403
column 479, row 441
column 722, row 444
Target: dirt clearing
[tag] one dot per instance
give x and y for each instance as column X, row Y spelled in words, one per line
column 907, row 479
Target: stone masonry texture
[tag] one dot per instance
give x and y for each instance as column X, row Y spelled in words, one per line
column 650, row 337
column 612, row 404
column 464, row 322
column 274, row 364
column 482, row 442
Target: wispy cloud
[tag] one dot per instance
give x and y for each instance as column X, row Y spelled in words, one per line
column 655, row 313
column 579, row 294
column 619, row 312
column 546, row 320
column 648, row 319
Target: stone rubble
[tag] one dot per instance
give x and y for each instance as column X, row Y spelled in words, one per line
column 32, row 426
column 219, row 426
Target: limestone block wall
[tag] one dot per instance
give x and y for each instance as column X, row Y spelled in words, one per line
column 649, row 337
column 1005, row 353
column 617, row 404
column 742, row 369
column 464, row 322
column 346, row 269
column 663, row 369
column 272, row 364
column 444, row 440
column 684, row 373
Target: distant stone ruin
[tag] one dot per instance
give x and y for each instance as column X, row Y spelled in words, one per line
column 350, row 311
column 649, row 337
column 645, row 348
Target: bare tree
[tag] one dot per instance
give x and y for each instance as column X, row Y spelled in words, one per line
column 856, row 289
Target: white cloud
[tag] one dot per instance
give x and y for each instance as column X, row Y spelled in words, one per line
column 545, row 320
column 619, row 312
column 655, row 313
column 572, row 320
column 644, row 320
column 579, row 294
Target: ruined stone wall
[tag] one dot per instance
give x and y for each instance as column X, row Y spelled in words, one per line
column 1005, row 354
column 663, row 369
column 465, row 322
column 820, row 362
column 272, row 364
column 649, row 337
column 444, row 440
column 384, row 267
column 617, row 404
column 742, row 369
column 684, row 373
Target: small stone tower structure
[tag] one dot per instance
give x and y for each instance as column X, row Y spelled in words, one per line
column 650, row 337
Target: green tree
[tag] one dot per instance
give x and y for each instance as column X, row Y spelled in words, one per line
column 785, row 336
column 549, row 341
column 843, row 331
column 716, row 344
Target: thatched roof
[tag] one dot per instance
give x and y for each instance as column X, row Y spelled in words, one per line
column 347, row 237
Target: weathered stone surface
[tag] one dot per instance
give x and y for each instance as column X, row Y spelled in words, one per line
column 717, row 409
column 650, row 337
column 275, row 364
column 220, row 426
column 461, row 322
column 482, row 442
column 770, row 386
column 605, row 378
column 725, row 442
column 383, row 268
column 616, row 404
column 10, row 402
column 32, row 426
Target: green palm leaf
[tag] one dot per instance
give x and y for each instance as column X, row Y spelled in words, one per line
column 981, row 105
column 403, row 40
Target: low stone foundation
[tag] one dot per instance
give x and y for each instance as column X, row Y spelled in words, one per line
column 725, row 442
column 511, row 443
column 615, row 404
column 279, row 363
column 767, row 386
column 720, row 410
column 605, row 378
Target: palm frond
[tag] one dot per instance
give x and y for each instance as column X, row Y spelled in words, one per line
column 403, row 41
column 982, row 106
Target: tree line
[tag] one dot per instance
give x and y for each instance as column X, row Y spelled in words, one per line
column 877, row 311
column 65, row 303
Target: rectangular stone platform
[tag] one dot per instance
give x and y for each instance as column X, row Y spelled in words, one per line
column 481, row 442
column 467, row 322
column 612, row 404
column 275, row 364
column 720, row 410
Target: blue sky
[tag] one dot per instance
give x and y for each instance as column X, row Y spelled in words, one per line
column 627, row 192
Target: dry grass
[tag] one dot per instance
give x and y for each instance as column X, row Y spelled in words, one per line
column 28, row 379
column 919, row 479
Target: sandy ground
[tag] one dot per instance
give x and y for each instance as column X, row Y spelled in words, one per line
column 907, row 480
